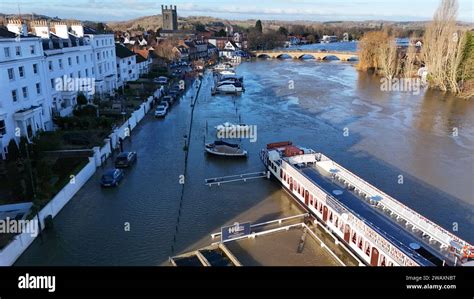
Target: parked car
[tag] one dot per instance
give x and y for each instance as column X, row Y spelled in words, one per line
column 111, row 178
column 161, row 80
column 161, row 111
column 174, row 93
column 169, row 99
column 125, row 159
column 164, row 103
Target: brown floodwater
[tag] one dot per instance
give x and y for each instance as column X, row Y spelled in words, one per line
column 328, row 106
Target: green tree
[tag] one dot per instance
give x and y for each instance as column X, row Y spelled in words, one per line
column 15, row 181
column 221, row 33
column 13, row 151
column 81, row 99
column 200, row 27
column 283, row 31
column 258, row 26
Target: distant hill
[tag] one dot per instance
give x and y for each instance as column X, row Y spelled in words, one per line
column 154, row 22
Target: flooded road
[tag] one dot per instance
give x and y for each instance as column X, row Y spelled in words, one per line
column 401, row 142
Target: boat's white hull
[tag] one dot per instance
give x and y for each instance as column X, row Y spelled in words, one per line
column 212, row 152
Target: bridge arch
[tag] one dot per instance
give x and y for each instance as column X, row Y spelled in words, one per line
column 264, row 56
column 353, row 58
column 307, row 56
column 330, row 57
column 284, row 56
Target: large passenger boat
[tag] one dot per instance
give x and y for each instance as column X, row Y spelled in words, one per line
column 380, row 230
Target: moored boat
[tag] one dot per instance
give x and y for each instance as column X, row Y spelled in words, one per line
column 222, row 148
column 381, row 230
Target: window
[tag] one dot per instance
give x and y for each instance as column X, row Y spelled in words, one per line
column 24, row 90
column 3, row 131
column 32, row 49
column 14, row 96
column 85, row 58
column 35, row 68
column 11, row 74
column 6, row 51
column 79, row 74
column 52, row 84
column 21, row 70
column 100, row 69
column 38, row 88
column 50, row 65
column 87, row 72
column 77, row 59
column 98, row 56
column 60, row 63
column 18, row 51
column 69, row 61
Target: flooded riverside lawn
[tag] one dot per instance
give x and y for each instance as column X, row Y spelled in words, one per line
column 400, row 142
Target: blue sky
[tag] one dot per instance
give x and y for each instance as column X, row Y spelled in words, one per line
column 316, row 10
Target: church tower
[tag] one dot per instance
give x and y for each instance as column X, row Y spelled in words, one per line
column 170, row 17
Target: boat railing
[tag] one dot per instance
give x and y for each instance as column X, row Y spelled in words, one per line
column 339, row 207
column 427, row 226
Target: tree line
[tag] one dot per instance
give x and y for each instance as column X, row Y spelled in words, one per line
column 447, row 52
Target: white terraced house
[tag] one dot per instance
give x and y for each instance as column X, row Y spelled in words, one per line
column 32, row 64
column 25, row 102
column 126, row 61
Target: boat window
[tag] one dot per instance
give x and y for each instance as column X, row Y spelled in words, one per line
column 330, row 216
column 367, row 249
column 382, row 262
column 360, row 243
column 354, row 238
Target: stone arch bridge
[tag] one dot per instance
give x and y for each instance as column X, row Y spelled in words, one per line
column 300, row 54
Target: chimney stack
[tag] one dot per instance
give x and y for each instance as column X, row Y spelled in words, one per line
column 60, row 29
column 78, row 29
column 41, row 28
column 18, row 27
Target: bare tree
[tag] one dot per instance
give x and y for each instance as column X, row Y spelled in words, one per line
column 388, row 58
column 368, row 49
column 443, row 47
column 165, row 49
column 410, row 59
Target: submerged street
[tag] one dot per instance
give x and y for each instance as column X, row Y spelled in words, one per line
column 312, row 104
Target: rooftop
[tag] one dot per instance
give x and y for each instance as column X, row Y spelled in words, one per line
column 122, row 51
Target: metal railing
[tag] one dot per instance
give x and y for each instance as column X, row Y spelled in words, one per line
column 427, row 226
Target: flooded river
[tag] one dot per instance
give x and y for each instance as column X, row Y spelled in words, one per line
column 419, row 148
